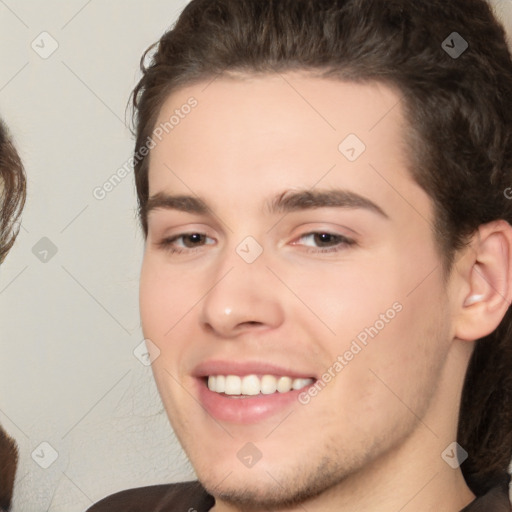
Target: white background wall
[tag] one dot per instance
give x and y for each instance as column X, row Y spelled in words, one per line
column 69, row 325
column 68, row 376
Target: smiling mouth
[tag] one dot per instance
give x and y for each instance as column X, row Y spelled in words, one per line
column 254, row 385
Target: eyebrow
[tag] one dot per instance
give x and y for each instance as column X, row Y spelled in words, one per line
column 287, row 202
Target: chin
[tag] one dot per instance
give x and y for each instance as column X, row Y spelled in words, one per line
column 269, row 487
column 270, row 492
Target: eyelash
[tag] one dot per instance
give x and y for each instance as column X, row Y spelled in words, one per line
column 343, row 242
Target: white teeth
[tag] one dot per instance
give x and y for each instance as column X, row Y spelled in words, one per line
column 284, row 384
column 268, row 384
column 298, row 383
column 220, row 383
column 252, row 385
column 233, row 385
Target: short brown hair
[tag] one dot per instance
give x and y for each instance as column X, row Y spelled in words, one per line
column 459, row 113
column 12, row 191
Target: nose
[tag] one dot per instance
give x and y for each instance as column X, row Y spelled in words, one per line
column 242, row 297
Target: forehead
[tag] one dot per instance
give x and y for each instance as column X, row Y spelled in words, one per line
column 284, row 130
column 266, row 105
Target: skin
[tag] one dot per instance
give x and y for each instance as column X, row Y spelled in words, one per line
column 372, row 439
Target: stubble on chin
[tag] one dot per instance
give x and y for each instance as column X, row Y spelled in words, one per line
column 276, row 490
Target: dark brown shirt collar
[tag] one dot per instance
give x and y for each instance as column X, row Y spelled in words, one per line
column 187, row 495
column 495, row 498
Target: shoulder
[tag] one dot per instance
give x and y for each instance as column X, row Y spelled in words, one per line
column 186, row 496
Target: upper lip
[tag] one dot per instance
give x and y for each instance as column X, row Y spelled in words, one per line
column 242, row 368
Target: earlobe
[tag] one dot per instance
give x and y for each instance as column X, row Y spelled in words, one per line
column 489, row 276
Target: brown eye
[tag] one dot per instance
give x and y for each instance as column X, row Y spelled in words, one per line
column 193, row 240
column 321, row 241
column 185, row 242
column 326, row 239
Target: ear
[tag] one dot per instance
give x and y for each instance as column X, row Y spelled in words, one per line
column 485, row 292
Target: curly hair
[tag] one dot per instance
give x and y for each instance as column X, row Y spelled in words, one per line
column 12, row 200
column 12, row 191
column 459, row 140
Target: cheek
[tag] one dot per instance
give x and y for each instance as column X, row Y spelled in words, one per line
column 168, row 302
column 162, row 305
column 164, row 298
column 391, row 322
column 401, row 362
column 152, row 300
column 345, row 299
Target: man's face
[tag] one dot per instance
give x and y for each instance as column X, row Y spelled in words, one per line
column 314, row 257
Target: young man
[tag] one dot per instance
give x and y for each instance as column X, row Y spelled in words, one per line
column 328, row 266
column 12, row 199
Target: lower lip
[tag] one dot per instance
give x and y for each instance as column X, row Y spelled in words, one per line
column 248, row 409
